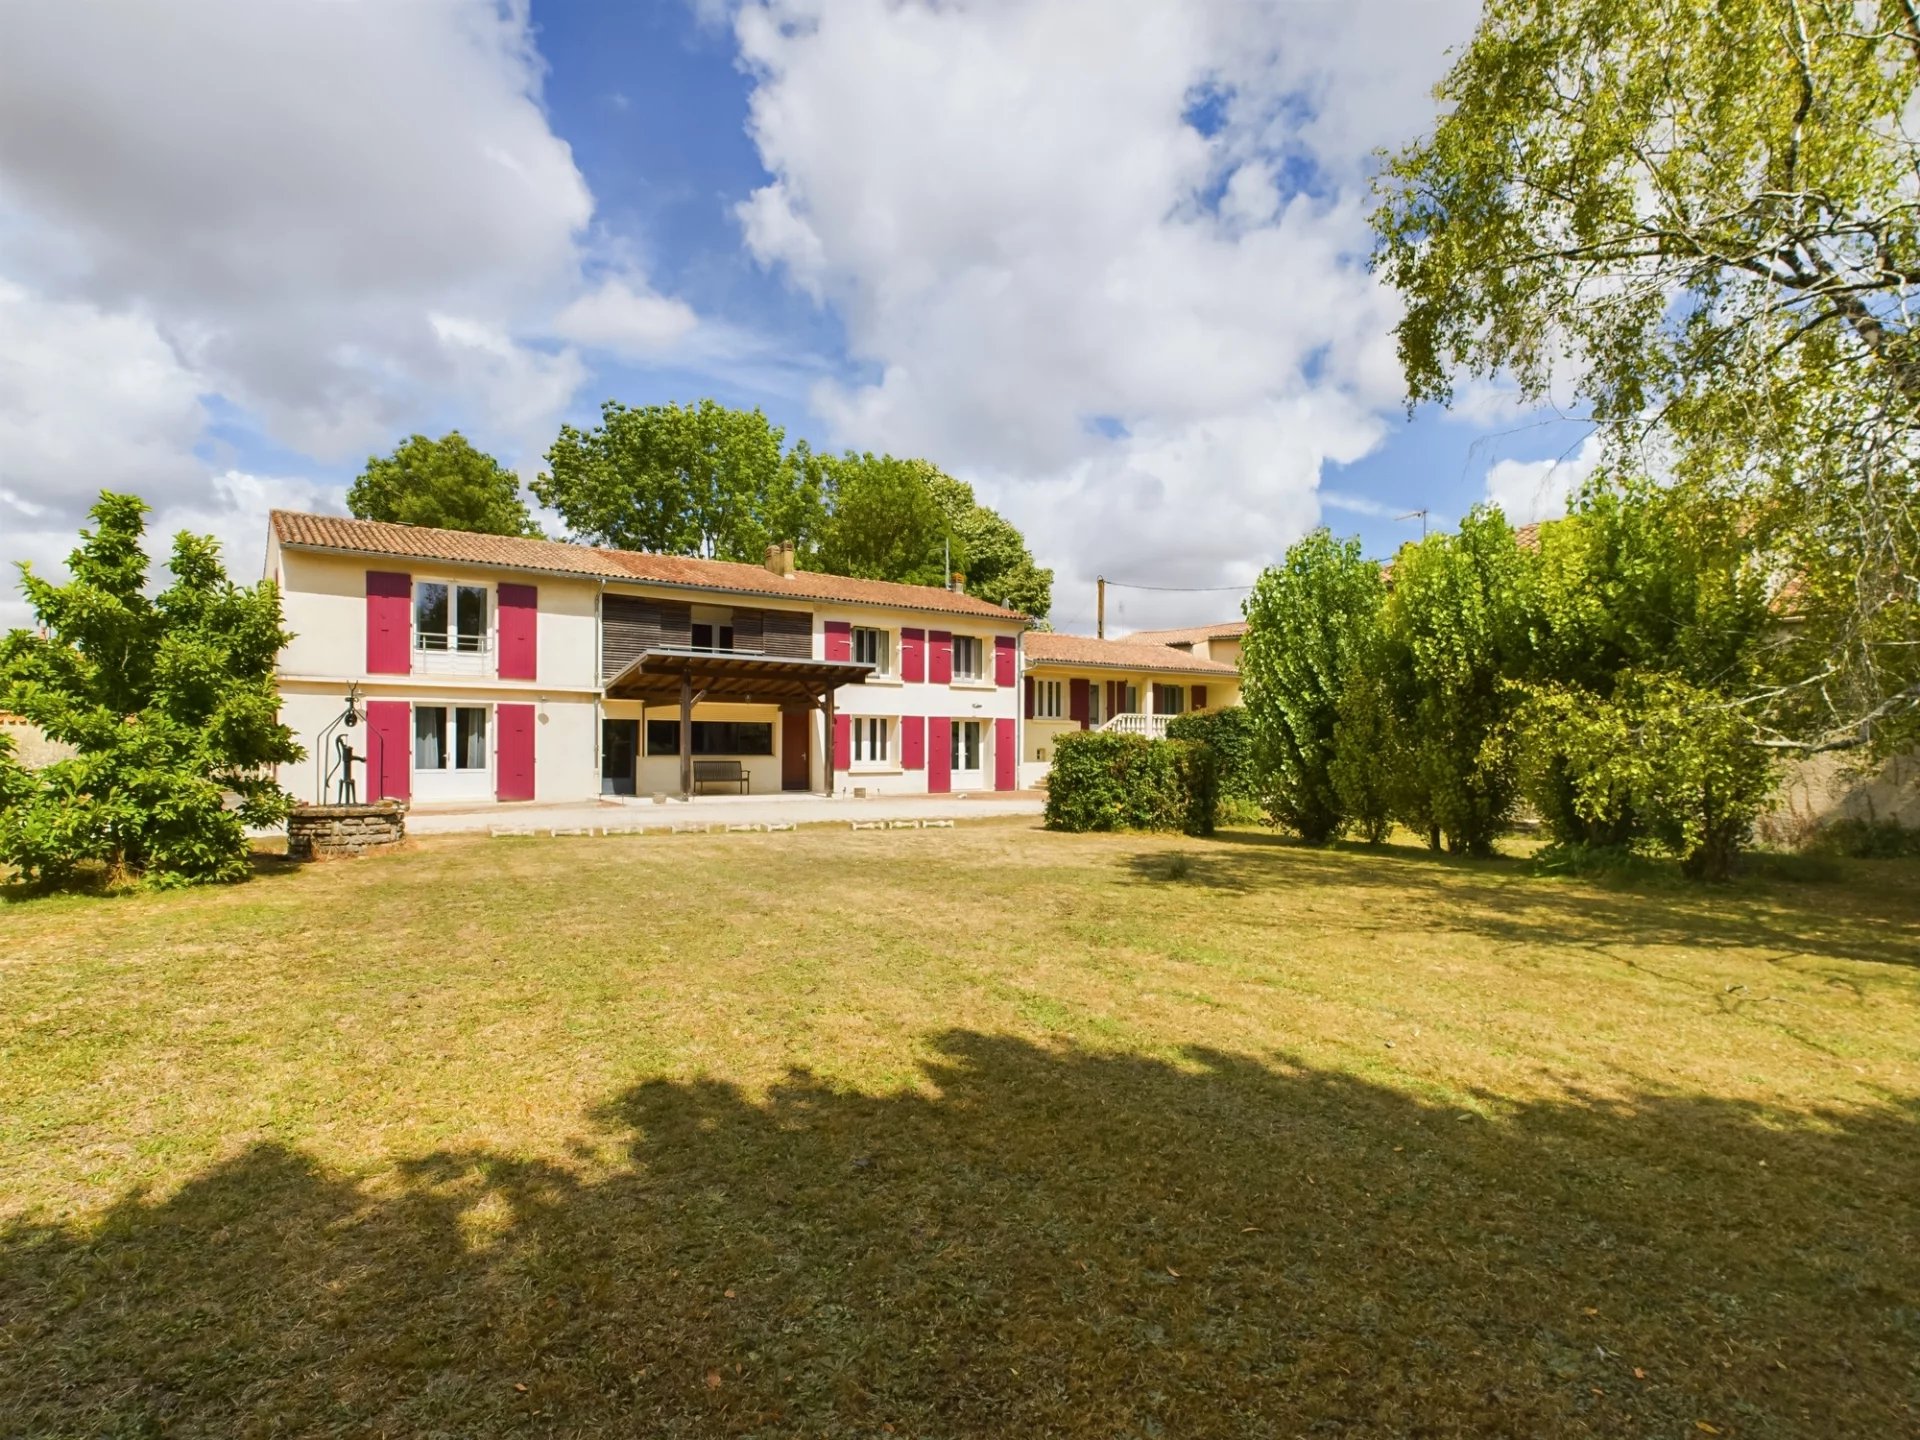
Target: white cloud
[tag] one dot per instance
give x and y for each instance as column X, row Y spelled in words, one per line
column 626, row 320
column 1125, row 330
column 1531, row 490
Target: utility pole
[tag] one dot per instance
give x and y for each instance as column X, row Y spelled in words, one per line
column 1100, row 607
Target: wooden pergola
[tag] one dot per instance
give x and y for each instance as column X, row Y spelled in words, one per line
column 678, row 675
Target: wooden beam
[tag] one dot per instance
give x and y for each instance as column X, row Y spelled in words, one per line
column 686, row 736
column 829, row 745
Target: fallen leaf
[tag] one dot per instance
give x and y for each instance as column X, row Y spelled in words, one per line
column 1710, row 1429
column 713, row 1379
column 1173, row 1272
column 729, row 1294
column 1249, row 1229
column 1589, row 1310
column 521, row 1388
column 1638, row 1373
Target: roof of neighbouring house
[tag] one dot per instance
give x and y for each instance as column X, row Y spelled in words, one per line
column 419, row 542
column 1046, row 648
column 1192, row 635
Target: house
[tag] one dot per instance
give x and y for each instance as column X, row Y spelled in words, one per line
column 494, row 668
column 1075, row 682
column 1220, row 641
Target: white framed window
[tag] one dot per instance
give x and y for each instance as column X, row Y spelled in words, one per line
column 966, row 745
column 1169, row 699
column 873, row 647
column 966, row 657
column 1048, row 700
column 450, row 737
column 449, row 617
column 872, row 740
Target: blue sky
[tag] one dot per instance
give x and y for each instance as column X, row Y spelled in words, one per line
column 1105, row 260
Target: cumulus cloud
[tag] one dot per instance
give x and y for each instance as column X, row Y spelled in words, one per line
column 336, row 224
column 1106, row 260
column 628, row 319
column 1531, row 490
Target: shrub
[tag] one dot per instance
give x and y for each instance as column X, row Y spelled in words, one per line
column 1229, row 735
column 1128, row 782
column 1863, row 839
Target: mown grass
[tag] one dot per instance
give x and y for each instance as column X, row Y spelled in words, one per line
column 982, row 1132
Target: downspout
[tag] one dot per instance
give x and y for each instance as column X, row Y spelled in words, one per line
column 600, row 687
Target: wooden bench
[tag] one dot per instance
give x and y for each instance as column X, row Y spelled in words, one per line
column 719, row 772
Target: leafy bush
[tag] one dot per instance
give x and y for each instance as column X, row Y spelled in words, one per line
column 1128, row 782
column 1229, row 734
column 169, row 701
column 1859, row 839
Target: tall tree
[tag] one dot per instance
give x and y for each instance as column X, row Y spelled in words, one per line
column 170, row 702
column 999, row 566
column 445, row 483
column 883, row 522
column 1454, row 632
column 698, row 479
column 1309, row 626
column 1708, row 205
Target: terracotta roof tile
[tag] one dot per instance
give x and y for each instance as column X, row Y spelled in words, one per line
column 418, row 542
column 1192, row 635
column 1047, row 648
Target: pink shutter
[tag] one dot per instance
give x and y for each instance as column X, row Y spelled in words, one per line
column 1004, row 755
column 389, row 623
column 913, row 742
column 1199, row 697
column 1079, row 702
column 1003, row 658
column 1029, row 689
column 388, row 749
column 839, row 640
column 519, row 632
column 513, row 751
column 913, row 655
column 939, row 756
column 940, row 661
column 842, row 741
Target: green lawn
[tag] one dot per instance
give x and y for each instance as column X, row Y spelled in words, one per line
column 977, row 1132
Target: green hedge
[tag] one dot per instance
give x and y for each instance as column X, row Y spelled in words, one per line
column 1128, row 782
column 1227, row 733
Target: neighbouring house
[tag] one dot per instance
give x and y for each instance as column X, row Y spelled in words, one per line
column 1075, row 682
column 490, row 668
column 1220, row 641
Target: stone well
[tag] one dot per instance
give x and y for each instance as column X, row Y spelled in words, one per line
column 321, row 832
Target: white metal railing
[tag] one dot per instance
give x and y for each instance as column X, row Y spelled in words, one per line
column 1154, row 727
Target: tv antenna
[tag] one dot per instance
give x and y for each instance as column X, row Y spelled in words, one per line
column 1421, row 515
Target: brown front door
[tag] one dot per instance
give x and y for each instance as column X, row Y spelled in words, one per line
column 795, row 728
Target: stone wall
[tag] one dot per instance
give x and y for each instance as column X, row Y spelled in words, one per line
column 321, row 832
column 1826, row 788
column 30, row 747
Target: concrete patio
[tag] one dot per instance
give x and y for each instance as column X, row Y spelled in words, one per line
column 630, row 811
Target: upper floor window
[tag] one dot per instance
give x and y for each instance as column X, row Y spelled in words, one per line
column 967, row 657
column 872, row 647
column 449, row 617
column 1046, row 700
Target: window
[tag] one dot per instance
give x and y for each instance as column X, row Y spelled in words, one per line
column 1133, row 700
column 966, row 657
column 1096, row 702
column 431, row 750
column 460, row 626
column 712, row 637
column 872, row 647
column 870, row 736
column 1046, row 700
column 711, row 737
column 966, row 745
column 1169, row 699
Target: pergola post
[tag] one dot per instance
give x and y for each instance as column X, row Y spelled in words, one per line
column 829, row 745
column 686, row 735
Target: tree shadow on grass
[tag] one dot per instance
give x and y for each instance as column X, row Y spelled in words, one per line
column 1040, row 1241
column 1870, row 916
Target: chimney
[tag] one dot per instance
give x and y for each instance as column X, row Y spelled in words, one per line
column 780, row 559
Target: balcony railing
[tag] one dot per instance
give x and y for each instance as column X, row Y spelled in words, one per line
column 1154, row 727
